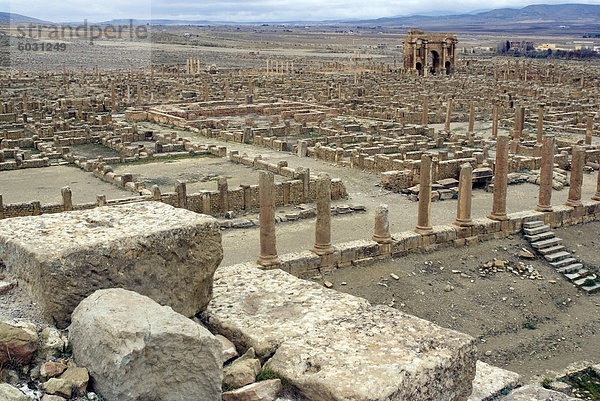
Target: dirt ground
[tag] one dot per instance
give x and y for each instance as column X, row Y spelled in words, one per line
column 44, row 184
column 527, row 326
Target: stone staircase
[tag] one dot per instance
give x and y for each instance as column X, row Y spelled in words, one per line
column 543, row 240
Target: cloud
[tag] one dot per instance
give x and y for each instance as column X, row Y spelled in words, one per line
column 249, row 11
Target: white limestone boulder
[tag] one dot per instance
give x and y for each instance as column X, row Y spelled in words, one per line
column 166, row 253
column 135, row 349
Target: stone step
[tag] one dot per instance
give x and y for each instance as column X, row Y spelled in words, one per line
column 556, row 256
column 546, row 243
column 563, row 262
column 591, row 288
column 569, row 268
column 552, row 249
column 533, row 224
column 581, row 281
column 539, row 237
column 578, row 274
column 536, row 230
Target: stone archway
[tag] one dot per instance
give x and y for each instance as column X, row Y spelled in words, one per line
column 433, row 52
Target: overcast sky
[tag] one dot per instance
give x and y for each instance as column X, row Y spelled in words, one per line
column 247, row 11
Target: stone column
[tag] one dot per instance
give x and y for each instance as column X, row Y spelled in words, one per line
column 425, row 117
column 448, row 111
column 471, row 117
column 67, row 199
column 181, row 191
column 577, row 163
column 495, row 121
column 266, row 191
column 588, row 130
column 323, row 226
column 101, row 200
column 546, row 174
column 424, row 213
column 465, row 189
column 156, row 195
column 517, row 125
column 382, row 225
column 596, row 196
column 1, row 208
column 223, row 188
column 540, row 124
column 500, row 179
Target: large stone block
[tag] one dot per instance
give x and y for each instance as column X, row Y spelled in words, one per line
column 137, row 350
column 334, row 346
column 152, row 248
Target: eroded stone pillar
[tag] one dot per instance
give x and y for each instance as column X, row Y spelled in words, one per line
column 323, row 226
column 67, row 199
column 425, row 117
column 577, row 162
column 546, row 174
column 382, row 225
column 101, row 200
column 596, row 196
column 181, row 191
column 588, row 130
column 156, row 195
column 266, row 194
column 424, row 213
column 1, row 208
column 500, row 179
column 223, row 189
column 448, row 112
column 495, row 121
column 540, row 124
column 465, row 190
column 471, row 117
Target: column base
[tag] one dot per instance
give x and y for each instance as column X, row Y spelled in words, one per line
column 423, row 230
column 543, row 208
column 268, row 261
column 596, row 197
column 498, row 216
column 573, row 203
column 463, row 222
column 322, row 249
column 382, row 239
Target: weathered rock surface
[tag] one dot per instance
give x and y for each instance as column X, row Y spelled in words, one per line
column 229, row 350
column 136, row 349
column 10, row 393
column 334, row 346
column 262, row 391
column 536, row 393
column 58, row 387
column 51, row 369
column 242, row 371
column 490, row 381
column 18, row 342
column 53, row 343
column 166, row 253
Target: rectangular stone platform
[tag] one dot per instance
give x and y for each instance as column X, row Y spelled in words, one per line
column 335, row 346
column 165, row 253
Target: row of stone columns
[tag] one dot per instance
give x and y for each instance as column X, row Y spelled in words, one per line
column 322, row 246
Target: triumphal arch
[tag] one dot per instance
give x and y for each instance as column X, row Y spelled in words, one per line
column 429, row 53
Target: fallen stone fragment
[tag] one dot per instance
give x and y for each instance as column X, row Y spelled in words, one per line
column 537, row 393
column 229, row 350
column 58, row 386
column 10, row 393
column 18, row 342
column 490, row 381
column 121, row 337
column 6, row 286
column 394, row 276
column 526, row 254
column 262, row 391
column 53, row 343
column 242, row 371
column 49, row 397
column 77, row 377
column 52, row 369
column 328, row 284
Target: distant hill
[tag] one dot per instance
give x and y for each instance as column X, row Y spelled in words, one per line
column 12, row 17
column 539, row 16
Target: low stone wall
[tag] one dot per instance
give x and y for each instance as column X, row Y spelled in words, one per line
column 307, row 264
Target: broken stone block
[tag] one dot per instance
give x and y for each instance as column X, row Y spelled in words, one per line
column 242, row 371
column 121, row 337
column 334, row 346
column 18, row 342
column 491, row 381
column 11, row 393
column 166, row 253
